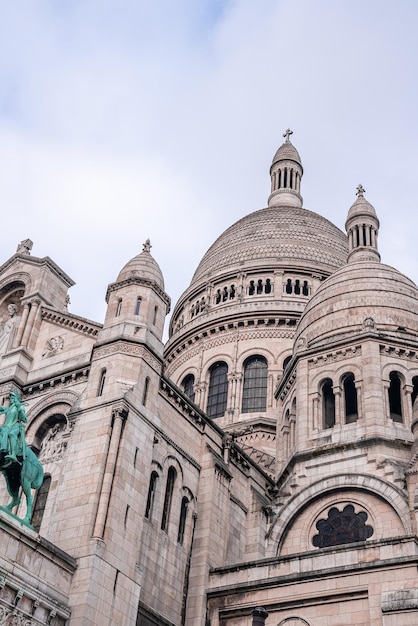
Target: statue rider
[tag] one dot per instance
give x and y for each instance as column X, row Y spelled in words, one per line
column 12, row 433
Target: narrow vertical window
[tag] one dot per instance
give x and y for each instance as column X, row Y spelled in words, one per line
column 218, row 390
column 254, row 393
column 168, row 498
column 118, row 307
column 188, row 386
column 414, row 393
column 289, row 285
column 182, row 521
column 328, row 404
column 40, row 503
column 251, row 288
column 267, row 288
column 137, row 305
column 151, row 494
column 102, row 381
column 395, row 400
column 154, row 321
column 350, row 399
column 145, row 392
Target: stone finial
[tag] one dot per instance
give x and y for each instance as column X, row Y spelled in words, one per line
column 360, row 190
column 24, row 247
column 146, row 247
column 287, row 134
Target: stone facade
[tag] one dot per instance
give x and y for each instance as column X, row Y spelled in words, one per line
column 266, row 456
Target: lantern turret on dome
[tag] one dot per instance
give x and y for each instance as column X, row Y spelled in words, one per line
column 286, row 172
column 362, row 227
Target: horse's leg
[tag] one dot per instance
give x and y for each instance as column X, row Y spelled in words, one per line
column 27, row 490
column 13, row 492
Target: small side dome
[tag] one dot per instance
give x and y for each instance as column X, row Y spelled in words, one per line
column 362, row 295
column 143, row 265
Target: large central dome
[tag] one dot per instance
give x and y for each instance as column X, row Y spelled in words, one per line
column 278, row 235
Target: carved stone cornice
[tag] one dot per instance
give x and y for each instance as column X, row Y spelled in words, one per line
column 70, row 321
column 57, row 382
column 129, row 348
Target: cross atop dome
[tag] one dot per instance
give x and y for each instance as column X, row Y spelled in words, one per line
column 287, row 134
column 146, row 247
column 360, row 191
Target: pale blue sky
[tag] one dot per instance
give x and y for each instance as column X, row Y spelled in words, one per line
column 123, row 120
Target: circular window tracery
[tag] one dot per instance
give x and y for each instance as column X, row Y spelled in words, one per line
column 341, row 527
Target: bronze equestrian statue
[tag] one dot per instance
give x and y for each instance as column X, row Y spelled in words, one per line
column 18, row 463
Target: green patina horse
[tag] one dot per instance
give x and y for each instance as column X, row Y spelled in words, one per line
column 18, row 463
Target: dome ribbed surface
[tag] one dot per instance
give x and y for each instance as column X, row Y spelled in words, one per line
column 287, row 236
column 287, row 151
column 366, row 290
column 144, row 266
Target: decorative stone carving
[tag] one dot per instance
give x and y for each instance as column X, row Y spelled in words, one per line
column 53, row 346
column 54, row 443
column 24, row 247
column 369, row 323
column 8, row 329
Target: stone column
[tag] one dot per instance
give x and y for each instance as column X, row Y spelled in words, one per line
column 259, row 616
column 30, row 322
column 22, row 325
column 119, row 417
column 339, row 406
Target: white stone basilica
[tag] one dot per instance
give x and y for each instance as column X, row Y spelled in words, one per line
column 264, row 457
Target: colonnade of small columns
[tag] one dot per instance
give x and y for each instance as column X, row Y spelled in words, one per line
column 285, row 178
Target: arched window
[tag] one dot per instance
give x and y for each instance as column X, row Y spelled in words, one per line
column 151, row 494
column 305, row 288
column 145, row 392
column 267, row 288
column 328, row 404
column 251, row 289
column 297, row 287
column 188, row 386
column 218, row 390
column 289, row 285
column 254, row 393
column 395, row 400
column 118, row 307
column 350, row 399
column 182, row 521
column 138, row 305
column 287, row 361
column 40, row 503
column 102, row 381
column 171, row 479
column 259, row 286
